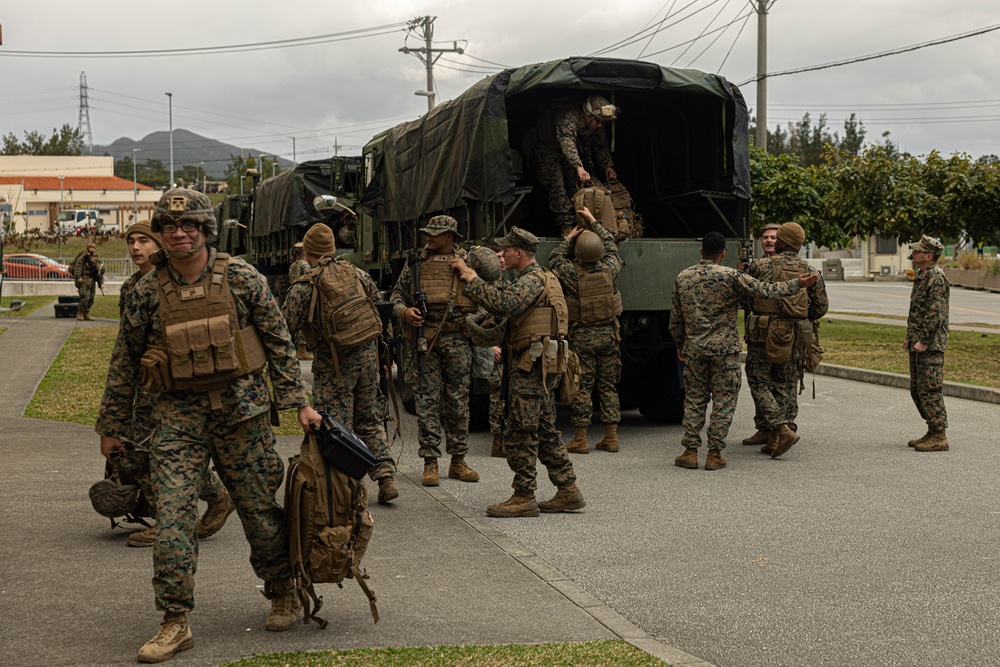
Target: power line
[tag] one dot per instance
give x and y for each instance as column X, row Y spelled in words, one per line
column 207, row 50
column 628, row 41
column 690, row 41
column 648, row 23
column 703, row 31
column 731, row 46
column 881, row 54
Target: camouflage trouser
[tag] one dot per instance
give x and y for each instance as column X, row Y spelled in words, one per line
column 496, row 400
column 357, row 402
column 441, row 393
column 716, row 378
column 926, row 387
column 560, row 180
column 252, row 472
column 142, row 425
column 531, row 434
column 774, row 389
column 601, row 368
column 86, row 290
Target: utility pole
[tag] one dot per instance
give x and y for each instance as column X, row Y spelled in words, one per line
column 135, row 189
column 427, row 57
column 295, row 160
column 761, row 7
column 170, row 99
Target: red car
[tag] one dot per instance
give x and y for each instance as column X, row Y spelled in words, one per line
column 29, row 266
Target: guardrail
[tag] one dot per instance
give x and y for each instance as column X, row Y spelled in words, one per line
column 113, row 266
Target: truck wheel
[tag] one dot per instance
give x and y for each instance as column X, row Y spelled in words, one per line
column 479, row 410
column 663, row 399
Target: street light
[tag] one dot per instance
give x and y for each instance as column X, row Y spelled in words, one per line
column 170, row 103
column 58, row 230
column 295, row 161
column 135, row 189
column 203, row 185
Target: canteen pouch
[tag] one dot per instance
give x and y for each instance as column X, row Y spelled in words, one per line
column 780, row 338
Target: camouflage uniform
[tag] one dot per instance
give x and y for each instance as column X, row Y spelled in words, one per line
column 565, row 143
column 237, row 436
column 441, row 391
column 927, row 323
column 496, row 400
column 142, row 417
column 353, row 397
column 299, row 268
column 83, row 273
column 597, row 345
column 774, row 386
column 703, row 324
column 530, row 434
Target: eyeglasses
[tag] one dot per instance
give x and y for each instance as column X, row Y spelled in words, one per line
column 186, row 227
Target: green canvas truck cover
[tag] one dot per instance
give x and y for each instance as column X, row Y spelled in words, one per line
column 285, row 201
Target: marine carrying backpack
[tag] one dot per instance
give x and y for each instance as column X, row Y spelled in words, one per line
column 326, row 506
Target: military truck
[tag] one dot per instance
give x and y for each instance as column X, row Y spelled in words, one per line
column 680, row 145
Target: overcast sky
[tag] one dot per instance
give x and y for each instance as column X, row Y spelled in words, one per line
column 943, row 97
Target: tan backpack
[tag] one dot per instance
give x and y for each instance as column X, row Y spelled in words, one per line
column 326, row 508
column 612, row 205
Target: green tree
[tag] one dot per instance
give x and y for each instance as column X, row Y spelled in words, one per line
column 64, row 141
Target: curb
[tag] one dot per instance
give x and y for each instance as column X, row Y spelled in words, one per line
column 569, row 589
column 969, row 392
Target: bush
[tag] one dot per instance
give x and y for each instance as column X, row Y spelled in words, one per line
column 970, row 261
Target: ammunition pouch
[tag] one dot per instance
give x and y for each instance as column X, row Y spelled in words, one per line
column 779, row 342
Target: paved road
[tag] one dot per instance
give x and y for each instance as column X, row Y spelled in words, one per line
column 893, row 298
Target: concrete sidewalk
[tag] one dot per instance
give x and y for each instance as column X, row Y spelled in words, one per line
column 72, row 593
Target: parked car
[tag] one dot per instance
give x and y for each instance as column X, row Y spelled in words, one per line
column 30, row 266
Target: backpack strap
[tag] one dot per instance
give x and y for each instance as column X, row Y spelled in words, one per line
column 360, row 577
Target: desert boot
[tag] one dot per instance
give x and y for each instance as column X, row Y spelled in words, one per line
column 609, row 442
column 714, row 460
column 938, row 442
column 174, row 635
column 758, row 438
column 284, row 605
column 567, row 499
column 689, row 459
column 142, row 538
column 578, row 445
column 302, row 353
column 387, row 490
column 782, row 440
column 430, row 476
column 517, row 505
column 460, row 470
column 87, row 317
column 496, row 449
column 921, row 440
column 215, row 516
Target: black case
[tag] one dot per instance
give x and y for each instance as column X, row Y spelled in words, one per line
column 75, row 298
column 66, row 309
column 342, row 448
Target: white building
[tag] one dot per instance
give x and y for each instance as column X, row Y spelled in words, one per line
column 37, row 187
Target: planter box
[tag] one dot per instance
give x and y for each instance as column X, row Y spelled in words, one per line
column 952, row 274
column 974, row 280
column 992, row 282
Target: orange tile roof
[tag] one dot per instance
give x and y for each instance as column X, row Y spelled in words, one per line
column 74, row 182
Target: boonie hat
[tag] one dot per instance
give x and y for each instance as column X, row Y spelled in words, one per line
column 440, row 224
column 521, row 239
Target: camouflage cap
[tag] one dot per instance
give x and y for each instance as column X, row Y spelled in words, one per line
column 112, row 500
column 440, row 224
column 521, row 239
column 928, row 244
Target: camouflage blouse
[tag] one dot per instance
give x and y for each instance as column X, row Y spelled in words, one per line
column 818, row 301
column 188, row 411
column 927, row 321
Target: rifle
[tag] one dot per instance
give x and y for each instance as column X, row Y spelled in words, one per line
column 420, row 303
column 745, row 255
column 95, row 272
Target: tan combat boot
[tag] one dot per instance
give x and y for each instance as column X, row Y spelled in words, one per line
column 921, row 440
column 689, row 459
column 142, row 538
column 496, row 449
column 87, row 317
column 302, row 353
column 516, row 505
column 610, row 441
column 284, row 605
column 79, row 315
column 578, row 445
column 215, row 516
column 174, row 635
column 567, row 499
column 758, row 438
column 387, row 490
column 460, row 470
column 714, row 460
column 782, row 440
column 430, row 476
column 938, row 442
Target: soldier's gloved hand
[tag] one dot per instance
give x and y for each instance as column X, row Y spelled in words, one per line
column 110, row 444
column 309, row 418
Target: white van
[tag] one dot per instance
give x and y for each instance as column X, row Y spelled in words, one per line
column 70, row 220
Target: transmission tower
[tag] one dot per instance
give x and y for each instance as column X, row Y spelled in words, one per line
column 83, row 125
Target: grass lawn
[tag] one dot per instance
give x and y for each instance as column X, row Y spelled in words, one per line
column 616, row 653
column 903, row 318
column 107, row 246
column 105, row 306
column 31, row 304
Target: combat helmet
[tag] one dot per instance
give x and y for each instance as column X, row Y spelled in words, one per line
column 184, row 205
column 112, row 499
column 485, row 263
column 600, row 107
column 589, row 247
